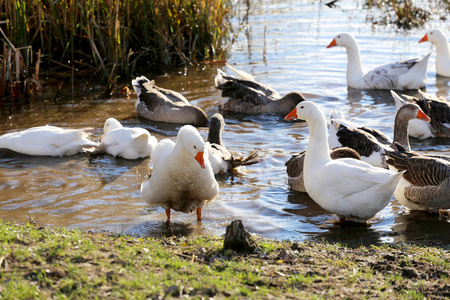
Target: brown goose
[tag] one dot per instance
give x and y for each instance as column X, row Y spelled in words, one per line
column 222, row 161
column 246, row 95
column 426, row 183
column 437, row 109
column 161, row 105
column 294, row 166
column 369, row 143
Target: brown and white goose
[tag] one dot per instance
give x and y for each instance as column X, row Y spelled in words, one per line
column 246, row 95
column 437, row 109
column 425, row 185
column 222, row 161
column 294, row 166
column 162, row 105
column 370, row 143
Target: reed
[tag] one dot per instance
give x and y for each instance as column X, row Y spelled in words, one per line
column 115, row 37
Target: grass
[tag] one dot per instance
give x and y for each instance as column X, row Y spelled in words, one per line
column 43, row 262
column 108, row 38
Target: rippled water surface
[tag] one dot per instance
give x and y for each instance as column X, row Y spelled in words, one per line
column 282, row 45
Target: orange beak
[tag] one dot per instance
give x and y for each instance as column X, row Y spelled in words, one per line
column 422, row 116
column 200, row 159
column 332, row 44
column 424, row 39
column 292, row 115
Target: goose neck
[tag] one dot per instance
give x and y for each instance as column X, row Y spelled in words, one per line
column 354, row 67
column 442, row 50
column 317, row 151
column 401, row 133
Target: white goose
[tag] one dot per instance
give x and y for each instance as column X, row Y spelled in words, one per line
column 403, row 75
column 294, row 166
column 438, row 39
column 182, row 177
column 438, row 110
column 47, row 141
column 352, row 189
column 126, row 142
column 425, row 185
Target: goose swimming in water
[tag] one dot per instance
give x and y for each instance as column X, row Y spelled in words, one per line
column 352, row 189
column 438, row 110
column 439, row 40
column 47, row 141
column 126, row 142
column 222, row 161
column 425, row 184
column 246, row 95
column 162, row 105
column 370, row 143
column 402, row 75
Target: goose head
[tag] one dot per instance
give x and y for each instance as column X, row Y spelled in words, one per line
column 287, row 102
column 111, row 124
column 342, row 39
column 139, row 82
column 305, row 110
column 433, row 36
column 192, row 143
column 412, row 111
column 216, row 125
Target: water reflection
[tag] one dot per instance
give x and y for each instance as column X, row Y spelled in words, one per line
column 443, row 86
column 421, row 226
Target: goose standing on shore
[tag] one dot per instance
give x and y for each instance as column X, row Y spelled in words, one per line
column 162, row 105
column 425, row 184
column 246, row 95
column 222, row 161
column 352, row 189
column 438, row 110
column 47, row 141
column 126, row 142
column 182, row 178
column 439, row 40
column 370, row 143
column 402, row 75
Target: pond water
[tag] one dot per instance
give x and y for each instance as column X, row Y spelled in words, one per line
column 282, row 45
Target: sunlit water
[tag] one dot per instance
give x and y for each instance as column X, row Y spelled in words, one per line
column 282, row 45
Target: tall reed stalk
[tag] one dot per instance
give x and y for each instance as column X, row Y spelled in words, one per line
column 114, row 37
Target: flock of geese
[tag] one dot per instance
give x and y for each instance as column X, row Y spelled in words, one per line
column 350, row 171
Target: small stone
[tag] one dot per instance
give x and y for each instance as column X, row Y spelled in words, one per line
column 288, row 255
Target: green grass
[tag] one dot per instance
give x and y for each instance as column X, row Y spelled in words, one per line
column 42, row 262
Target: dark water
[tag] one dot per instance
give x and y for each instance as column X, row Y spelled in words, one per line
column 282, row 45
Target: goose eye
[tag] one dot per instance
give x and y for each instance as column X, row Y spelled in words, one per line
column 338, row 36
column 195, row 147
column 301, row 107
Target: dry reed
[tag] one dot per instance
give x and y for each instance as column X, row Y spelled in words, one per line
column 111, row 37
